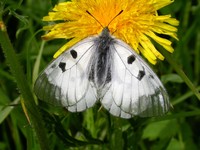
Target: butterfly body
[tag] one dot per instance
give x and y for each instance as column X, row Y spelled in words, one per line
column 101, row 61
column 103, row 68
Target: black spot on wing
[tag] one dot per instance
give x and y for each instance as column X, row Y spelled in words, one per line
column 62, row 66
column 53, row 66
column 141, row 74
column 151, row 76
column 73, row 53
column 130, row 59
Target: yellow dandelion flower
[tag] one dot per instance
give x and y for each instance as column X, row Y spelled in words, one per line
column 137, row 25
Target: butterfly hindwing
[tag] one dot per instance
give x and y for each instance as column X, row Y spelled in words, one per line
column 135, row 89
column 65, row 81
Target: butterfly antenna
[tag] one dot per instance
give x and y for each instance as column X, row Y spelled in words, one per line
column 115, row 17
column 94, row 18
column 100, row 22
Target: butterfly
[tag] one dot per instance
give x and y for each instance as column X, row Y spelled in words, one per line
column 106, row 69
column 103, row 68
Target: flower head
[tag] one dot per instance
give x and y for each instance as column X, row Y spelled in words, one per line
column 137, row 25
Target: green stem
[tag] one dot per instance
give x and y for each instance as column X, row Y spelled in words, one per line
column 117, row 141
column 33, row 113
column 183, row 97
column 37, row 62
column 181, row 73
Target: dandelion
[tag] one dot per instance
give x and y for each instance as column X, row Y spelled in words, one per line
column 137, row 25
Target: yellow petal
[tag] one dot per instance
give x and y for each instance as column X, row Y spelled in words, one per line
column 162, row 3
column 146, row 55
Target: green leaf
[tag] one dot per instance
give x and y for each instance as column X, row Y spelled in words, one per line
column 161, row 129
column 175, row 145
column 171, row 78
column 5, row 108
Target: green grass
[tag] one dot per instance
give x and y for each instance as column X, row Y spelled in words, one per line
column 24, row 125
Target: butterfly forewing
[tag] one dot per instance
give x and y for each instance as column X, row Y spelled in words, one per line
column 135, row 88
column 65, row 81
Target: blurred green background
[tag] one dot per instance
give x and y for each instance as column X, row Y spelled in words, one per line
column 94, row 128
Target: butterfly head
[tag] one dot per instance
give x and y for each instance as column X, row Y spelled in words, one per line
column 105, row 31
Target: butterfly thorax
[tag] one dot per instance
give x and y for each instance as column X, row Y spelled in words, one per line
column 101, row 62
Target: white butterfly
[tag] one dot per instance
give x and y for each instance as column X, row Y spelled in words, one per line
column 103, row 68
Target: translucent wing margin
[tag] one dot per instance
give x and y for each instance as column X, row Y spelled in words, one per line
column 65, row 81
column 135, row 89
